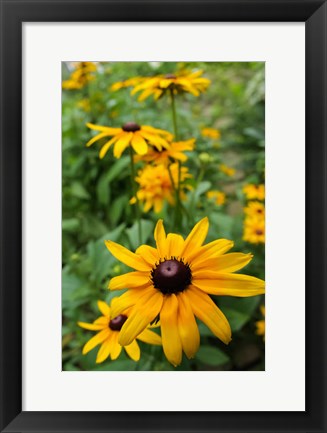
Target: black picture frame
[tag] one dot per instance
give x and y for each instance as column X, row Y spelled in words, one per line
column 13, row 14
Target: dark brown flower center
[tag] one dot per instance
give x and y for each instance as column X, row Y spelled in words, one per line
column 259, row 232
column 117, row 323
column 170, row 76
column 171, row 276
column 131, row 127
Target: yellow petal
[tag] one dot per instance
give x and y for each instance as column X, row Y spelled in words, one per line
column 116, row 347
column 133, row 351
column 104, row 350
column 197, row 236
column 104, row 149
column 96, row 138
column 160, row 238
column 104, row 308
column 212, row 249
column 124, row 255
column 187, row 327
column 206, row 310
column 171, row 342
column 139, row 144
column 128, row 299
column 143, row 313
column 90, row 326
column 149, row 337
column 175, row 245
column 226, row 263
column 94, row 341
column 131, row 280
column 149, row 254
column 110, row 131
column 122, row 143
column 228, row 284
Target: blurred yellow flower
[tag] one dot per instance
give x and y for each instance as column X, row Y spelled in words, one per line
column 179, row 82
column 156, row 185
column 254, row 230
column 108, row 333
column 165, row 156
column 138, row 136
column 229, row 171
column 254, row 192
column 261, row 324
column 255, row 209
column 218, row 196
column 82, row 74
column 173, row 281
column 211, row 133
column 84, row 104
column 126, row 83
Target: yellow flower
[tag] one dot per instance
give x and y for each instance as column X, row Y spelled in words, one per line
column 253, row 192
column 138, row 136
column 229, row 171
column 172, row 282
column 84, row 104
column 173, row 153
column 108, row 333
column 156, row 185
column 218, row 196
column 126, row 83
column 211, row 133
column 180, row 82
column 255, row 209
column 80, row 76
column 254, row 230
column 261, row 324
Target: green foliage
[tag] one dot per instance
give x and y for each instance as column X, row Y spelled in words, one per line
column 96, row 194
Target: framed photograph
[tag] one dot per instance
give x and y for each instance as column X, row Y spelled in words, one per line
column 163, row 216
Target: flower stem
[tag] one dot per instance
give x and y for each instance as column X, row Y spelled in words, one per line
column 178, row 188
column 137, row 204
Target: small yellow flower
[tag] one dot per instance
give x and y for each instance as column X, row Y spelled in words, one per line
column 254, row 230
column 218, row 196
column 254, row 192
column 126, row 83
column 229, row 171
column 179, row 82
column 156, row 185
column 173, row 282
column 255, row 209
column 108, row 333
column 84, row 104
column 166, row 156
column 138, row 136
column 261, row 324
column 82, row 74
column 211, row 133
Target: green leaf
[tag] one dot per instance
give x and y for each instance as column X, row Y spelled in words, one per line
column 70, row 224
column 78, row 190
column 211, row 356
column 118, row 168
column 133, row 236
column 236, row 319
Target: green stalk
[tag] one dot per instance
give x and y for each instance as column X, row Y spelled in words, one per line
column 134, row 190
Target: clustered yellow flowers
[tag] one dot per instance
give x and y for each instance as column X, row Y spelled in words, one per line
column 254, row 223
column 82, row 74
column 218, row 197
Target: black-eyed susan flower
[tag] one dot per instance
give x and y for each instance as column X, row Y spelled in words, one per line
column 108, row 329
column 82, row 74
column 229, row 171
column 210, row 133
column 254, row 192
column 130, row 134
column 179, row 82
column 255, row 209
column 261, row 324
column 254, row 230
column 175, row 152
column 219, row 197
column 156, row 185
column 173, row 281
